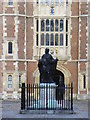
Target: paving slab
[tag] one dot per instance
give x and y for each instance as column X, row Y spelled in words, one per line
column 11, row 109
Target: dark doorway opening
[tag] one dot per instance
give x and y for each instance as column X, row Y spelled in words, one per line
column 59, row 80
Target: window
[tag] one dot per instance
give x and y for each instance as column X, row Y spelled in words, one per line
column 52, row 32
column 84, row 81
column 66, row 2
column 61, row 1
column 10, row 2
column 52, row 1
column 56, row 25
column 66, row 39
column 42, row 39
column 47, row 39
column 47, row 25
column 10, row 48
column 42, row 25
column 66, row 25
column 52, row 25
column 37, row 40
column 61, row 25
column 37, row 1
column 37, row 25
column 19, row 81
column 10, row 81
column 47, row 1
column 52, row 40
column 56, row 39
column 57, row 2
column 61, row 39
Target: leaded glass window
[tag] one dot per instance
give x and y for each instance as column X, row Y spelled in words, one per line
column 37, row 39
column 66, row 25
column 56, row 39
column 52, row 32
column 52, row 25
column 47, row 25
column 42, row 39
column 47, row 39
column 10, row 48
column 42, row 25
column 56, row 25
column 61, row 25
column 61, row 39
column 52, row 40
column 10, row 2
column 10, row 81
column 66, row 39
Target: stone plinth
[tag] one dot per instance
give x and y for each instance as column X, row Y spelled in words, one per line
column 47, row 95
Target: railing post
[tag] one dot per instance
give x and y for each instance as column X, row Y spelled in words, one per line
column 23, row 97
column 46, row 96
column 71, row 96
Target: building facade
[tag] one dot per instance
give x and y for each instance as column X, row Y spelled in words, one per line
column 27, row 28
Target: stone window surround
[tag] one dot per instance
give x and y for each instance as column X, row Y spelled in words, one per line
column 54, row 32
column 12, row 47
column 10, row 75
column 10, row 2
column 52, row 2
column 82, row 79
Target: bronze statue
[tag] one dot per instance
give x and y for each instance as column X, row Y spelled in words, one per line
column 47, row 67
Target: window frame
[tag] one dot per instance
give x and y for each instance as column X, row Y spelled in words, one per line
column 10, row 80
column 84, row 81
column 55, row 22
column 10, row 50
column 10, row 2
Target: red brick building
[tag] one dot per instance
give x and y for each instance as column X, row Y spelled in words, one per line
column 27, row 28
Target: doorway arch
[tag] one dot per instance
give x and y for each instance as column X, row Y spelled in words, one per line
column 60, row 68
column 66, row 73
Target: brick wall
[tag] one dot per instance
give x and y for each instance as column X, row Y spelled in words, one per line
column 73, row 68
column 30, row 40
column 21, row 38
column 21, row 31
column 74, row 38
column 10, row 23
column 1, row 38
column 83, row 38
column 31, row 67
column 21, row 66
column 30, row 33
column 1, row 29
column 10, row 65
column 83, row 8
column 74, row 8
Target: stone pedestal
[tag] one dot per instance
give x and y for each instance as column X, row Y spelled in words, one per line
column 47, row 95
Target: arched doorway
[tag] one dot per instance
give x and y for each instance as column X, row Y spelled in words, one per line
column 59, row 80
column 62, row 72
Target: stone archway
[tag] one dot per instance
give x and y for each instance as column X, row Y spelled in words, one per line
column 66, row 73
column 60, row 68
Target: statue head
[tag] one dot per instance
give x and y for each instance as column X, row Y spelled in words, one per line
column 46, row 51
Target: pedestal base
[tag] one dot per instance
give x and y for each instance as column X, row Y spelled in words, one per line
column 47, row 95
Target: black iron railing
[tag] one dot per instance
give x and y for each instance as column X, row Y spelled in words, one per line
column 36, row 97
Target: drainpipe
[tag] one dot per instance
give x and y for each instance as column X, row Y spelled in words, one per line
column 78, row 49
column 25, row 47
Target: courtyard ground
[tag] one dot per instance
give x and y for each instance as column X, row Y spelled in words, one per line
column 11, row 109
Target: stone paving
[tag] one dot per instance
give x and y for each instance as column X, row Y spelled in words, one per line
column 11, row 109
